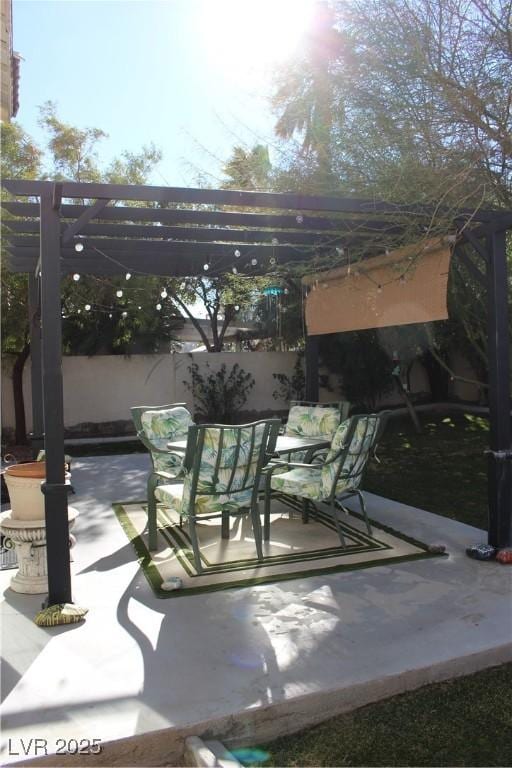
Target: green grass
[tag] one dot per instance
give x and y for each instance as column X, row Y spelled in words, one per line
column 443, row 470
column 465, row 722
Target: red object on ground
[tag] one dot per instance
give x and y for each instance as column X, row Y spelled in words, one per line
column 504, row 556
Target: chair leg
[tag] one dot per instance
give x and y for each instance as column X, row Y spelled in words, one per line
column 224, row 529
column 256, row 527
column 266, row 508
column 305, row 510
column 152, row 528
column 334, row 513
column 363, row 510
column 195, row 544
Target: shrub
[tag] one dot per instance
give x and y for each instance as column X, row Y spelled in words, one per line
column 219, row 395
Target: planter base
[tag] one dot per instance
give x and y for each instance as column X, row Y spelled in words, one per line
column 28, row 537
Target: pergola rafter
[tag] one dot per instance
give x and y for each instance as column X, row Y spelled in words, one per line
column 180, row 230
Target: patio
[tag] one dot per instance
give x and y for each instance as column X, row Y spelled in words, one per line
column 243, row 665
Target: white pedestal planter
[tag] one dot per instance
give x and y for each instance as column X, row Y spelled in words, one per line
column 29, row 540
column 24, row 526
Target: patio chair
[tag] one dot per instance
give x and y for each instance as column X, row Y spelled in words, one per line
column 222, row 470
column 156, row 425
column 310, row 419
column 337, row 478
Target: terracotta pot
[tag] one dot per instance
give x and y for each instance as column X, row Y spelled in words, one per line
column 30, row 469
column 24, row 486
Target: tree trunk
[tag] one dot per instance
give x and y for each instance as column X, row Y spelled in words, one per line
column 408, row 403
column 19, row 401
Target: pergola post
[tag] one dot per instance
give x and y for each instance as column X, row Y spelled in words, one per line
column 311, row 361
column 500, row 454
column 34, row 312
column 55, row 490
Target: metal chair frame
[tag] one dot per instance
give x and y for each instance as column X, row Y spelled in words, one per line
column 334, row 501
column 192, row 466
column 156, row 477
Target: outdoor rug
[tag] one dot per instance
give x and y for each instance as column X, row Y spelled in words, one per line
column 294, row 551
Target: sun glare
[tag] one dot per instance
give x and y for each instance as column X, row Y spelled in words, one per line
column 246, row 37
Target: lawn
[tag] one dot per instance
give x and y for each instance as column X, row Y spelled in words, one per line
column 442, row 470
column 465, row 722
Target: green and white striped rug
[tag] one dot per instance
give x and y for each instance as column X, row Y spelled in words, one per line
column 294, row 551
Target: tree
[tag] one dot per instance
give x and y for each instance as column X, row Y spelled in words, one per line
column 420, row 99
column 94, row 318
column 21, row 158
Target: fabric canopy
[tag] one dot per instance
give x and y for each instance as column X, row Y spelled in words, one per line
column 408, row 285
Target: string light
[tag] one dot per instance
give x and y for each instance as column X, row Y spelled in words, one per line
column 159, row 307
column 235, row 271
column 79, row 247
column 387, row 251
column 254, row 262
column 340, row 251
column 237, row 254
column 379, row 289
column 119, row 293
column 76, row 277
column 124, row 314
column 128, row 275
column 237, row 308
column 110, row 314
column 139, row 307
column 299, row 219
column 275, row 241
column 272, row 261
column 164, row 294
column 87, row 307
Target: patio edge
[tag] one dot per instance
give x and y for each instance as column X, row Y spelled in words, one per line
column 262, row 724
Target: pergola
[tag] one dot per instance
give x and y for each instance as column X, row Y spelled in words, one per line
column 176, row 232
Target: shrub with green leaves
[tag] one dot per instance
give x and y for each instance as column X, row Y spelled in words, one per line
column 219, row 395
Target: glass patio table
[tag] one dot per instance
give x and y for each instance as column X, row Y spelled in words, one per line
column 285, row 444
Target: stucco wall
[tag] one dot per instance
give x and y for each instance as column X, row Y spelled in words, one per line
column 103, row 388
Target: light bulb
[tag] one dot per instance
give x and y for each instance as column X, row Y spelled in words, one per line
column 163, row 294
column 206, row 267
column 237, row 308
column 286, row 291
column 183, row 286
column 387, row 251
column 119, row 293
column 272, row 261
column 235, row 271
column 78, row 311
column 87, row 307
column 139, row 307
column 128, row 275
column 379, row 289
column 159, row 307
column 110, row 314
column 76, row 277
column 254, row 262
column 340, row 251
column 124, row 314
column 237, row 254
column 275, row 241
column 299, row 219
column 79, row 247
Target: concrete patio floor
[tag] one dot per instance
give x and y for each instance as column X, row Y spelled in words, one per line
column 243, row 665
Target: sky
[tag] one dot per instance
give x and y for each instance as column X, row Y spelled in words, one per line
column 191, row 76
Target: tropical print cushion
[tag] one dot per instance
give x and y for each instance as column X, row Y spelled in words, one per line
column 162, row 426
column 312, row 421
column 227, row 472
column 172, row 497
column 301, row 481
column 355, row 458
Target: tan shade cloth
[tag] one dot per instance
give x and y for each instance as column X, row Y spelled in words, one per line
column 408, row 285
